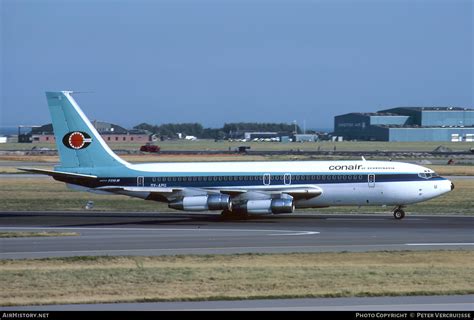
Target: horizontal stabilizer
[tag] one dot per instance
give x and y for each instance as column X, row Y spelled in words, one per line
column 58, row 174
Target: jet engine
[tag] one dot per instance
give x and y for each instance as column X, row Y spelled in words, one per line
column 203, row 203
column 266, row 206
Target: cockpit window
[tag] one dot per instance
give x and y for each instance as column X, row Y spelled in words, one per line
column 428, row 175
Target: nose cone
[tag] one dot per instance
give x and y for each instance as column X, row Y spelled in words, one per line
column 444, row 186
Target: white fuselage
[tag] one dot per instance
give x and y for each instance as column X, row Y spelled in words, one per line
column 342, row 182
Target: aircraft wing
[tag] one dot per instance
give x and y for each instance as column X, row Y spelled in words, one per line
column 167, row 194
column 297, row 192
column 303, row 193
column 148, row 193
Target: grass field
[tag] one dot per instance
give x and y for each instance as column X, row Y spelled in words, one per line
column 257, row 146
column 30, row 194
column 247, row 276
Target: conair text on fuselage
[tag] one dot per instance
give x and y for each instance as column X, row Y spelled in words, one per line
column 346, row 167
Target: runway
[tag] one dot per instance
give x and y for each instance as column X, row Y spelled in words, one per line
column 184, row 233
column 413, row 303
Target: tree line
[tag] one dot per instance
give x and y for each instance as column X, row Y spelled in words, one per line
column 171, row 130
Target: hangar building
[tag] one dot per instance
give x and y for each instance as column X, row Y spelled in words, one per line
column 109, row 132
column 408, row 124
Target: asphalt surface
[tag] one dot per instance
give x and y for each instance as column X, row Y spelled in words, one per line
column 184, row 233
column 414, row 303
column 181, row 233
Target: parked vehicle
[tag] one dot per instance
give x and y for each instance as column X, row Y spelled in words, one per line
column 150, row 148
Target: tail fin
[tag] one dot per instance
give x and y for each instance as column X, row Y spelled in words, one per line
column 78, row 142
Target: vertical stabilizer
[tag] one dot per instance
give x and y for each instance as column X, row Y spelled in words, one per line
column 78, row 142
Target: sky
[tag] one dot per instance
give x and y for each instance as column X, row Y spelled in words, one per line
column 213, row 61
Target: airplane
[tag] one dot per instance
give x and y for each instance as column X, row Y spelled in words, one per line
column 238, row 189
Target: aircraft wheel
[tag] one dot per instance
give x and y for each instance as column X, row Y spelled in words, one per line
column 399, row 214
column 226, row 214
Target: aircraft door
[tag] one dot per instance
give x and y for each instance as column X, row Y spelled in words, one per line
column 287, row 178
column 266, row 179
column 140, row 181
column 371, row 180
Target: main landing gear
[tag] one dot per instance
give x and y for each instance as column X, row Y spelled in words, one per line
column 398, row 213
column 230, row 215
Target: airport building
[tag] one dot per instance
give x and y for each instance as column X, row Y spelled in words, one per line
column 306, row 137
column 408, row 124
column 108, row 131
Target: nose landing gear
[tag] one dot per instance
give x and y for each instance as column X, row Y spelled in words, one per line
column 398, row 213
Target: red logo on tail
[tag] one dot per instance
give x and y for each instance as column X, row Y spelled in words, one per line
column 77, row 140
